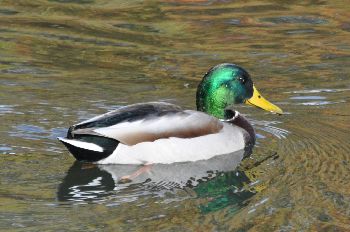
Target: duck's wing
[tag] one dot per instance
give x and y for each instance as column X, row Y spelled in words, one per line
column 97, row 138
column 129, row 113
column 148, row 122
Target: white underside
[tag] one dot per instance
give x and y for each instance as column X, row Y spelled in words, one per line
column 171, row 150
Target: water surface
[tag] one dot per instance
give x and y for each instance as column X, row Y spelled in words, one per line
column 63, row 61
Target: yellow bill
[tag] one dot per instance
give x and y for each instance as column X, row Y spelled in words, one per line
column 259, row 101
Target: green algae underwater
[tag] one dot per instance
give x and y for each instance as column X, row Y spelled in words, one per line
column 63, row 61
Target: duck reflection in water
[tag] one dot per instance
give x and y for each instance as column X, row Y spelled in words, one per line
column 216, row 179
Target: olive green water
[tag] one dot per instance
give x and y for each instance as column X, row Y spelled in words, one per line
column 62, row 61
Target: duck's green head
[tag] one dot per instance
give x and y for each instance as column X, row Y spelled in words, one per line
column 227, row 84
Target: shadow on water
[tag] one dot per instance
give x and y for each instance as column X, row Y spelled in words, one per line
column 218, row 180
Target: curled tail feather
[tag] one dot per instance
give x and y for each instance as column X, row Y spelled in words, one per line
column 89, row 148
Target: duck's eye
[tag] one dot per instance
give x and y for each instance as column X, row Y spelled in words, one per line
column 241, row 79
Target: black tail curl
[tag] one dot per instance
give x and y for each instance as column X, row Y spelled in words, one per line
column 86, row 155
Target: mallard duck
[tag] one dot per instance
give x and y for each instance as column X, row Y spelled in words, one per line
column 158, row 132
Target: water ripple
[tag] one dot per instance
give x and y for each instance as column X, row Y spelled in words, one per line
column 6, row 109
column 33, row 132
column 295, row 20
column 318, row 91
column 269, row 127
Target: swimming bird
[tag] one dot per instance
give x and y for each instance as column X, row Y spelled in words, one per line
column 159, row 132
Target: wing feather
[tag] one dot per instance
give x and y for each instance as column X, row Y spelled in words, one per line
column 148, row 122
column 187, row 124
